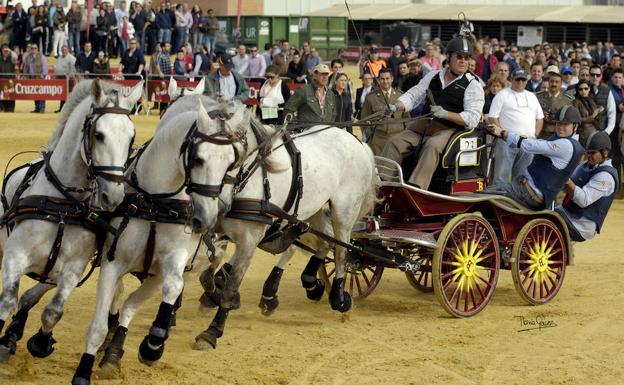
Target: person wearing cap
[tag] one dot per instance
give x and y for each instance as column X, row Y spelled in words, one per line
column 225, row 84
column 455, row 104
column 552, row 100
column 314, row 102
column 515, row 110
column 567, row 77
column 376, row 102
column 554, row 160
column 590, row 190
column 374, row 63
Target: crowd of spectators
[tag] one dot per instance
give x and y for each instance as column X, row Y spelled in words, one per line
column 524, row 86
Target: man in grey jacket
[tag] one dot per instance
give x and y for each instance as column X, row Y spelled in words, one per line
column 225, row 84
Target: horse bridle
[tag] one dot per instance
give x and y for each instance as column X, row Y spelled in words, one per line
column 88, row 134
column 88, row 137
column 188, row 150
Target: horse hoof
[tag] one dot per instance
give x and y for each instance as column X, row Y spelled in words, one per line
column 268, row 306
column 207, row 301
column 343, row 304
column 81, row 381
column 5, row 354
column 109, row 370
column 150, row 354
column 40, row 345
column 207, row 340
column 316, row 293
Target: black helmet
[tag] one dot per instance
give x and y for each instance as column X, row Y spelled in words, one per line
column 568, row 114
column 598, row 141
column 459, row 44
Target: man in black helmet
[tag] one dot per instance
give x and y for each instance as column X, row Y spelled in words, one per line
column 591, row 190
column 456, row 104
column 554, row 161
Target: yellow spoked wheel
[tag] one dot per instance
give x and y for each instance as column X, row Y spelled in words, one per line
column 465, row 265
column 540, row 255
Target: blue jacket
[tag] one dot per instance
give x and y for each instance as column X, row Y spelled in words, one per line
column 162, row 20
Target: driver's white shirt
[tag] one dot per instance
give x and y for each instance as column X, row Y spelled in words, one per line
column 474, row 98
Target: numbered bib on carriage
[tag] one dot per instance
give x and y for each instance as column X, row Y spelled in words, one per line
column 269, row 112
column 468, row 158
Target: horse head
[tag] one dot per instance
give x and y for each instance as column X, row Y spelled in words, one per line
column 108, row 135
column 219, row 149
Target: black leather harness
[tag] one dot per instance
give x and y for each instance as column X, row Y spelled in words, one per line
column 262, row 210
column 68, row 210
column 161, row 207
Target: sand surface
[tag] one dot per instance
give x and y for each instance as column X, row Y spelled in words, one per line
column 396, row 336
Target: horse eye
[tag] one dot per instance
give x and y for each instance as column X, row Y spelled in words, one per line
column 99, row 136
column 198, row 162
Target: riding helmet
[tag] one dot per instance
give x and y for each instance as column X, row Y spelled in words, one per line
column 459, row 44
column 568, row 114
column 598, row 141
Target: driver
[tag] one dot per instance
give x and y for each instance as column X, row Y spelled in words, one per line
column 590, row 190
column 555, row 159
column 456, row 101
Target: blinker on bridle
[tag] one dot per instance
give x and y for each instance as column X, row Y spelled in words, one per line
column 188, row 151
column 88, row 137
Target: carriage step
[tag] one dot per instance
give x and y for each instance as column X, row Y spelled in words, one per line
column 407, row 236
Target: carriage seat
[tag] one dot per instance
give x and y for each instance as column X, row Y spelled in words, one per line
column 464, row 150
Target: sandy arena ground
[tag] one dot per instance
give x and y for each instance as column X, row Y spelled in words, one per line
column 396, row 336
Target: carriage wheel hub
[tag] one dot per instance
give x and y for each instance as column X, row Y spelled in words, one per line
column 467, row 258
column 540, row 254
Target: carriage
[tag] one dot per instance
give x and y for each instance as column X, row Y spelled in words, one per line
column 455, row 240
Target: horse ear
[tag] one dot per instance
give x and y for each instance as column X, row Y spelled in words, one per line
column 173, row 89
column 199, row 88
column 135, row 94
column 203, row 120
column 96, row 91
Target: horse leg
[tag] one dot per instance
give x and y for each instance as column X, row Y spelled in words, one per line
column 342, row 223
column 207, row 339
column 113, row 314
column 315, row 287
column 153, row 345
column 228, row 280
column 15, row 331
column 11, row 274
column 176, row 306
column 40, row 345
column 111, row 361
column 268, row 300
column 110, row 275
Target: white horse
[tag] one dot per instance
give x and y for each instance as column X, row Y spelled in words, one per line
column 336, row 168
column 173, row 168
column 81, row 170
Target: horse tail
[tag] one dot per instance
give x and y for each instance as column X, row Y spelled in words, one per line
column 371, row 198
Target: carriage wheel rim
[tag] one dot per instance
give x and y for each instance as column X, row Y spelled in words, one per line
column 466, row 265
column 540, row 259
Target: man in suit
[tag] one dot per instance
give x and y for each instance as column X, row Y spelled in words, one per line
column 361, row 93
column 314, row 102
column 378, row 101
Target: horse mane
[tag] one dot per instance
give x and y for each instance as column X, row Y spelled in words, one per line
column 81, row 92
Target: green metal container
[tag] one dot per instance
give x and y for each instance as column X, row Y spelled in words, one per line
column 326, row 34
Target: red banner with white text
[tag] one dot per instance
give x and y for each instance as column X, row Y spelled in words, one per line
column 33, row 89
